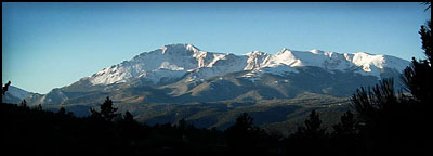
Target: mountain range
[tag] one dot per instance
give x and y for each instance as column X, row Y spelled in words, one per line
column 182, row 74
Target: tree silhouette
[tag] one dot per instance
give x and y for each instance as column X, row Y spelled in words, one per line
column 425, row 33
column 243, row 123
column 346, row 126
column 345, row 140
column 5, row 87
column 128, row 117
column 244, row 137
column 399, row 122
column 312, row 136
column 108, row 111
column 418, row 77
column 238, row 134
column 370, row 102
column 428, row 5
column 129, row 128
column 312, row 126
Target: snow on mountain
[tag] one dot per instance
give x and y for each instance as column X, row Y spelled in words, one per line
column 17, row 92
column 15, row 95
column 171, row 61
column 219, row 65
column 176, row 60
column 374, row 64
column 328, row 60
column 256, row 59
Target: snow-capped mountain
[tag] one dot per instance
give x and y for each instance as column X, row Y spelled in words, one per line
column 170, row 62
column 177, row 60
column 182, row 73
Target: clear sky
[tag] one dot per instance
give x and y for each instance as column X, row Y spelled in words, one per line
column 50, row 45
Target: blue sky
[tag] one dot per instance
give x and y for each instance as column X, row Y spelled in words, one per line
column 50, row 45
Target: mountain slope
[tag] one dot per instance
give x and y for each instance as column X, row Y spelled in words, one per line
column 176, row 60
column 15, row 95
column 182, row 73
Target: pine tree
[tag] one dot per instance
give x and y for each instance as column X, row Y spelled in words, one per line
column 419, row 76
column 108, row 111
column 244, row 122
column 312, row 136
column 399, row 118
column 312, row 126
column 241, row 137
column 346, row 125
column 5, row 87
column 345, row 140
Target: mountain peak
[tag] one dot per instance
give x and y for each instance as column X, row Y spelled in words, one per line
column 178, row 47
column 177, row 60
column 256, row 52
column 282, row 51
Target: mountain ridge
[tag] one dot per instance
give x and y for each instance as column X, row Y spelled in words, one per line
column 212, row 87
column 182, row 73
column 15, row 95
column 176, row 60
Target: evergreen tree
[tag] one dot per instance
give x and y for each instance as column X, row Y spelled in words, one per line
column 346, row 125
column 425, row 33
column 5, row 87
column 392, row 122
column 243, row 123
column 129, row 128
column 312, row 126
column 240, row 130
column 369, row 103
column 394, row 117
column 345, row 140
column 108, row 111
column 418, row 77
column 243, row 136
column 311, row 139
